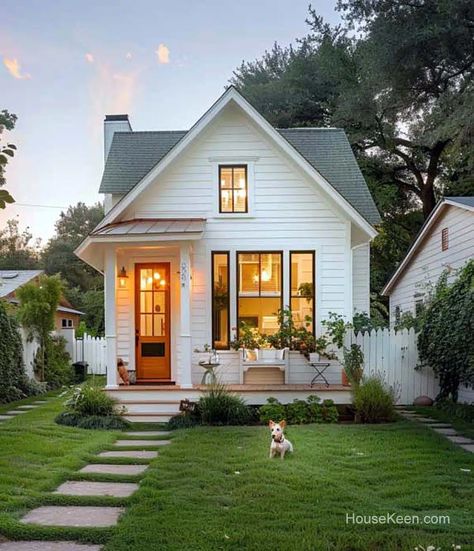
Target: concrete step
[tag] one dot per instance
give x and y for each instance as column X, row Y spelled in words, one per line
column 154, row 407
column 162, row 417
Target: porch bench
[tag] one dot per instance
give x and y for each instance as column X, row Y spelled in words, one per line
column 263, row 358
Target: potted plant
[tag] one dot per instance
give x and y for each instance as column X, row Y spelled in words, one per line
column 353, row 365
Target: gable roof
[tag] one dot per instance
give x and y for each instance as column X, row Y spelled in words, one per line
column 133, row 154
column 232, row 96
column 466, row 203
column 11, row 280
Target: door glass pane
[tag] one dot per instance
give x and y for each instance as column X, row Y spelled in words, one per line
column 159, row 298
column 248, row 274
column 270, row 274
column 145, row 302
column 146, row 279
column 146, row 325
column 159, row 325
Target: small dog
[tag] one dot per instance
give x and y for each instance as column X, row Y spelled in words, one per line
column 279, row 443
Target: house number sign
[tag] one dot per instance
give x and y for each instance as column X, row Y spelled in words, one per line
column 184, row 274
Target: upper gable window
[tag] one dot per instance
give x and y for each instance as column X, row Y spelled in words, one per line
column 233, row 188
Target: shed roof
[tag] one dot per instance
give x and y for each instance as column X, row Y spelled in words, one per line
column 11, row 280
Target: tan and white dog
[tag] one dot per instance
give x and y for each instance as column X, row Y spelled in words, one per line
column 279, row 443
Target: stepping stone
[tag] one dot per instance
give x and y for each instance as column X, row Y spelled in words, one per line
column 440, row 426
column 460, row 440
column 74, row 516
column 468, row 447
column 46, row 546
column 136, row 454
column 445, row 432
column 114, row 469
column 426, row 420
column 138, row 443
column 4, row 417
column 41, row 402
column 80, row 488
column 148, row 433
column 16, row 411
column 28, row 406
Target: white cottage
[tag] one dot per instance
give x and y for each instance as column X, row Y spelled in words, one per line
column 222, row 224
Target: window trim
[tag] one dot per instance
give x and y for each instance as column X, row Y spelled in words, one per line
column 237, row 276
column 220, row 166
column 227, row 253
column 313, row 254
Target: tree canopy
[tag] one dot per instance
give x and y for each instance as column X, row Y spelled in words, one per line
column 7, row 122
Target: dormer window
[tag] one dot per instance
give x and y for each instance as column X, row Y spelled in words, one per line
column 233, row 189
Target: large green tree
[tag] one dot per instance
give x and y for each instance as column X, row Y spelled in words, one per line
column 17, row 252
column 7, row 151
column 84, row 285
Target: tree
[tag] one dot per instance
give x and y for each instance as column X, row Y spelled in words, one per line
column 7, row 122
column 16, row 251
column 37, row 311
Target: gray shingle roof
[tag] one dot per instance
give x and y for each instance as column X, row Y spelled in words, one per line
column 468, row 201
column 133, row 154
column 11, row 280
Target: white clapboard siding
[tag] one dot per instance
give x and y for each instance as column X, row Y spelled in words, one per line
column 394, row 356
column 92, row 350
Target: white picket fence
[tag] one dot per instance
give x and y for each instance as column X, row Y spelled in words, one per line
column 92, row 350
column 394, row 356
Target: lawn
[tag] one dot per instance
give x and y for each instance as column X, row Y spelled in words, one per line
column 215, row 488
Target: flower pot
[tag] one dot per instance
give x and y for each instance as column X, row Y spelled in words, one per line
column 345, row 380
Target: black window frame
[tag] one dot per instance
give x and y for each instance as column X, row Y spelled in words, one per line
column 232, row 189
column 313, row 253
column 237, row 275
column 213, row 254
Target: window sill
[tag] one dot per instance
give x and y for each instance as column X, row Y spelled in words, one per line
column 232, row 215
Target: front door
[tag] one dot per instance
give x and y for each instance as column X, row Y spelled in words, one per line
column 152, row 321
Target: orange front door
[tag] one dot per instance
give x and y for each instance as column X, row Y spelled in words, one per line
column 152, row 321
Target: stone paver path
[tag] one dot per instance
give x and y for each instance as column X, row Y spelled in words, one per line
column 28, row 406
column 138, row 443
column 445, row 429
column 148, row 433
column 86, row 488
column 47, row 546
column 114, row 469
column 73, row 516
column 4, row 417
column 16, row 411
column 135, row 454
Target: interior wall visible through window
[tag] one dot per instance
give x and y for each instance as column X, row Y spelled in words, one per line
column 220, row 300
column 302, row 288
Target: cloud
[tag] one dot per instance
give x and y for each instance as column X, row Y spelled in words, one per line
column 163, row 54
column 89, row 58
column 128, row 55
column 13, row 67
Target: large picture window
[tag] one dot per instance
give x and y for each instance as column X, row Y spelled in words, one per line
column 233, row 188
column 220, row 300
column 302, row 288
column 259, row 290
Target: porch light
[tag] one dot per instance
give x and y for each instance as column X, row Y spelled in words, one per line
column 122, row 277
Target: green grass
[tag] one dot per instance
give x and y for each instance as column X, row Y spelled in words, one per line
column 215, row 488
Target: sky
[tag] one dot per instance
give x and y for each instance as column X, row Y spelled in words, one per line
column 65, row 64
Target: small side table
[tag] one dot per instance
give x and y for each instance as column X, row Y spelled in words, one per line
column 320, row 368
column 209, row 376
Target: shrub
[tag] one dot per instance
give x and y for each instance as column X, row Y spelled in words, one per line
column 462, row 411
column 445, row 342
column 54, row 366
column 297, row 412
column 183, row 421
column 220, row 407
column 373, row 401
column 13, row 379
column 112, row 422
column 329, row 412
column 271, row 411
column 92, row 400
column 314, row 409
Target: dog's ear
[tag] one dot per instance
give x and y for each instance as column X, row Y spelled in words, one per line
column 271, row 424
column 282, row 424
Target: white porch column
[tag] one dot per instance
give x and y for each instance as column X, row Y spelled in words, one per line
column 110, row 276
column 185, row 321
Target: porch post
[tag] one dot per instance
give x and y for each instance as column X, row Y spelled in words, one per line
column 185, row 322
column 110, row 277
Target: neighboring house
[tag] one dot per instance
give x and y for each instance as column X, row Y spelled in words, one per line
column 11, row 280
column 445, row 242
column 222, row 224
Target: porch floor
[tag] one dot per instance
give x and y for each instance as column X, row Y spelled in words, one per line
column 238, row 388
